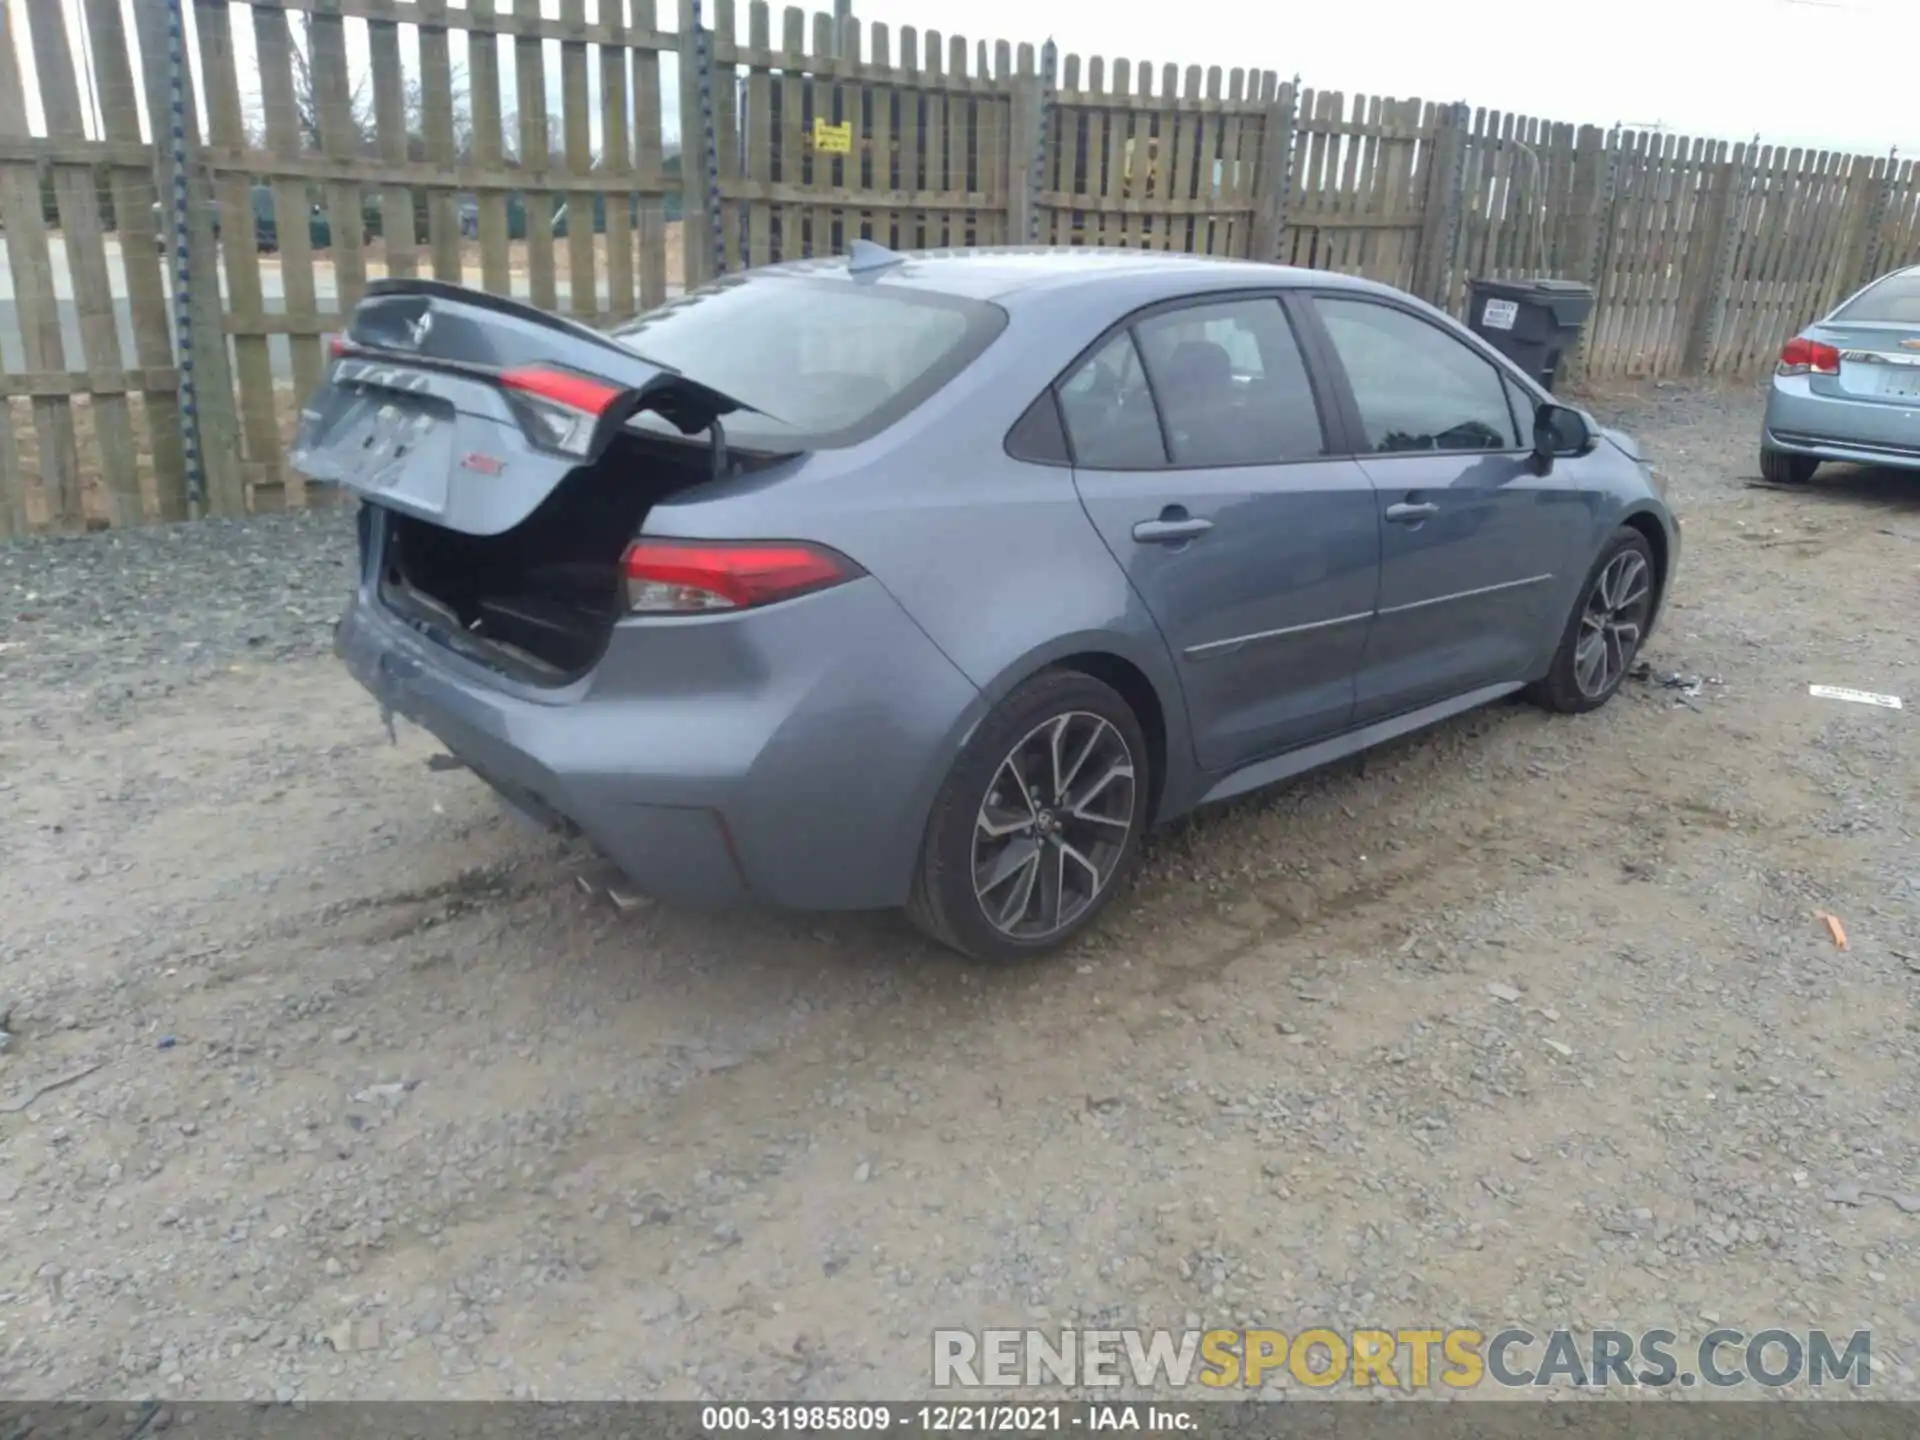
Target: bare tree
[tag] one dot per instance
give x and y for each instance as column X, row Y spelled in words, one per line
column 306, row 98
column 416, row 111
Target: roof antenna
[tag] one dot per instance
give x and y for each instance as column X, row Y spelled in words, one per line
column 867, row 257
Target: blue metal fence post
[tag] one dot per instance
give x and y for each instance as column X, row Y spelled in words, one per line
column 709, row 152
column 1037, row 177
column 209, row 425
column 182, row 248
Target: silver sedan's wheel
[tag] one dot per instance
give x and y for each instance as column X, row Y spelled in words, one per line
column 1612, row 622
column 1053, row 826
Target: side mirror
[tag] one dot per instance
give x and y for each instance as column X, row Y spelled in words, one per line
column 1557, row 431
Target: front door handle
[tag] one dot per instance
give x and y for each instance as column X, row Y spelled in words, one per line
column 1411, row 514
column 1174, row 527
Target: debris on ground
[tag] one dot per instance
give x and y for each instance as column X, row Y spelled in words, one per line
column 1858, row 697
column 1835, row 929
column 1688, row 686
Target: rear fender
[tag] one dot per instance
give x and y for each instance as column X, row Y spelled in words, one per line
column 1178, row 787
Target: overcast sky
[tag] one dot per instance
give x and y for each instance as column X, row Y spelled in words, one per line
column 1829, row 73
column 1843, row 73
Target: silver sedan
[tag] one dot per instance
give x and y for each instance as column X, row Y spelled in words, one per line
column 1848, row 388
column 934, row 580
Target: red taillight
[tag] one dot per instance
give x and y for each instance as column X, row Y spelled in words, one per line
column 338, row 345
column 576, row 392
column 560, row 409
column 689, row 577
column 1801, row 356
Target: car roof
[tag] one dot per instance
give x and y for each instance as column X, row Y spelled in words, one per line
column 1004, row 273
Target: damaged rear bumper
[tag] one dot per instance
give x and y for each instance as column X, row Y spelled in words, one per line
column 679, row 852
column 803, row 784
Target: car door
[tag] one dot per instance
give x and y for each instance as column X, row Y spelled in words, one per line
column 1473, row 537
column 1202, row 456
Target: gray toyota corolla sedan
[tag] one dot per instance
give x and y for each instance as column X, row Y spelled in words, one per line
column 1848, row 388
column 934, row 580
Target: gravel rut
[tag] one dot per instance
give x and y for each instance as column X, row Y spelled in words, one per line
column 1521, row 1020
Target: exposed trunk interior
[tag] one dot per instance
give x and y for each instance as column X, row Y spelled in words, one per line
column 540, row 600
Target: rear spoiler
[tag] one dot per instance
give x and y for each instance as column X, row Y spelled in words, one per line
column 378, row 290
column 436, row 325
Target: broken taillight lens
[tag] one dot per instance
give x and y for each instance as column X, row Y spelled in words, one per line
column 562, row 409
column 693, row 577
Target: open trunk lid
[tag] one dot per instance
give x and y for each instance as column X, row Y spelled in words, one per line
column 467, row 410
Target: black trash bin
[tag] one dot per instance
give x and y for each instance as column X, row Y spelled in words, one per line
column 1531, row 322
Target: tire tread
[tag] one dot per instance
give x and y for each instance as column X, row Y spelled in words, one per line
column 1778, row 467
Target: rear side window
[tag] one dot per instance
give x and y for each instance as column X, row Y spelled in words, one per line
column 1232, row 386
column 1108, row 407
column 1893, row 301
column 820, row 362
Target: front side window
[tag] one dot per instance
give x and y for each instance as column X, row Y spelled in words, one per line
column 1108, row 407
column 1417, row 388
column 1232, row 385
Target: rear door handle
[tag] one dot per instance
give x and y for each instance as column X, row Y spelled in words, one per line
column 1411, row 514
column 1174, row 527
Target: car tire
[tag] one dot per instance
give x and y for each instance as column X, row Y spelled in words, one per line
column 1009, row 869
column 1605, row 630
column 1778, row 467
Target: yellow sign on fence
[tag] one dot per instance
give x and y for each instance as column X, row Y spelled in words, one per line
column 832, row 139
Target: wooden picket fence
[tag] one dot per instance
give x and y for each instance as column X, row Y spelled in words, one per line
column 926, row 129
column 388, row 137
column 76, row 377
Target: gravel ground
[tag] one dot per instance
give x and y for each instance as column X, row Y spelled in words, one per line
column 1525, row 1019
